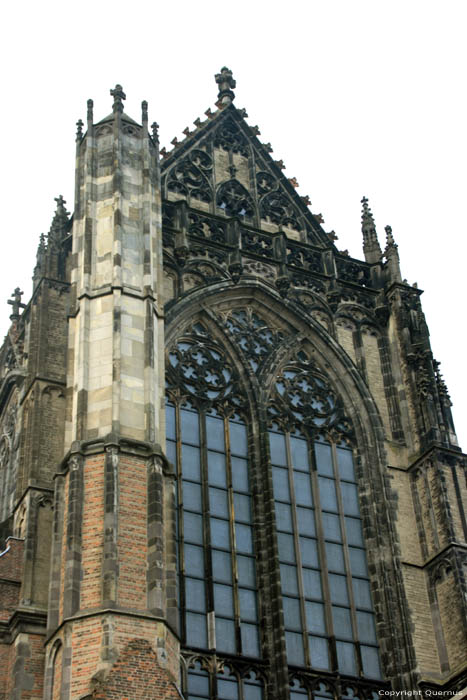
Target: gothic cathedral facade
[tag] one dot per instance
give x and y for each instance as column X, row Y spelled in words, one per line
column 228, row 467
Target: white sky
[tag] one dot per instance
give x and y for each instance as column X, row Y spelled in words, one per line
column 357, row 97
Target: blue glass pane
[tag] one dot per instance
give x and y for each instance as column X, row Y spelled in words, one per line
column 196, row 630
column 215, row 433
column 331, row 527
column 306, row 522
column 350, row 499
column 353, row 528
column 217, row 475
column 193, row 528
column 194, row 560
column 309, row 552
column 312, row 584
column 223, row 600
column 242, row 505
column 221, row 566
column 225, row 635
column 195, row 595
column 294, row 644
column 302, row 485
column 323, row 456
column 218, row 502
column 277, row 445
column 370, row 660
column 327, row 494
column 357, row 562
column 170, row 421
column 346, row 466
column 342, row 622
column 227, row 689
column 191, row 496
column 286, row 547
column 190, row 427
column 338, row 588
column 299, row 452
column 190, row 463
column 280, row 480
column 319, row 655
column 346, row 658
column 248, row 608
column 315, row 617
column 252, row 692
column 284, row 517
column 238, row 439
column 292, row 617
column 361, row 592
column 244, row 538
column 240, row 474
column 246, row 571
column 250, row 643
column 198, row 683
column 289, row 579
column 366, row 627
column 171, row 452
column 335, row 557
column 220, row 535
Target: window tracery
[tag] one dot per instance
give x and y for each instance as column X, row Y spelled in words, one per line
column 191, row 176
column 234, row 199
column 325, row 591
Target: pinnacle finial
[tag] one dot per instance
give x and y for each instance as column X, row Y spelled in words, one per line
column 16, row 304
column 90, row 116
column 144, row 111
column 79, row 129
column 371, row 246
column 155, row 133
column 118, row 95
column 390, row 242
column 226, row 84
column 59, row 224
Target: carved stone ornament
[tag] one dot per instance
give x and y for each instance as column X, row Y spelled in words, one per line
column 253, row 336
column 278, row 208
column 206, row 227
column 257, row 243
column 229, row 137
column 234, row 199
column 191, row 176
column 302, row 398
column 199, row 370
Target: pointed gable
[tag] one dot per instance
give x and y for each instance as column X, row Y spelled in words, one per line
column 222, row 168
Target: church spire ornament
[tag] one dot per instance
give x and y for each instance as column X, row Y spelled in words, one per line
column 371, row 247
column 226, row 84
column 118, row 95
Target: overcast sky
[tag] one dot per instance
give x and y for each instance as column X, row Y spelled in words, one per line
column 357, row 98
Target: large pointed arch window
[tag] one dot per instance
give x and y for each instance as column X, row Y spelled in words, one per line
column 328, row 615
column 308, row 484
column 207, row 440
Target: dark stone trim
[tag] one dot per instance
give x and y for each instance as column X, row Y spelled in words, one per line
column 128, row 446
column 155, row 571
column 56, row 555
column 110, row 566
column 120, row 611
column 71, row 594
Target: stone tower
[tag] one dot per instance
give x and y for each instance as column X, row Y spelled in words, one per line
column 228, row 467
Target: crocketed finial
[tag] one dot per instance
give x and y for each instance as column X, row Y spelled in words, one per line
column 371, row 246
column 79, row 129
column 390, row 242
column 226, row 85
column 59, row 224
column 118, row 95
column 16, row 304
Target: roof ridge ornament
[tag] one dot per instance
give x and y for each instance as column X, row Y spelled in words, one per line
column 226, row 84
column 118, row 95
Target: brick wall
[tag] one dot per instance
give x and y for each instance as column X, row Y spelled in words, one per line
column 137, row 675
